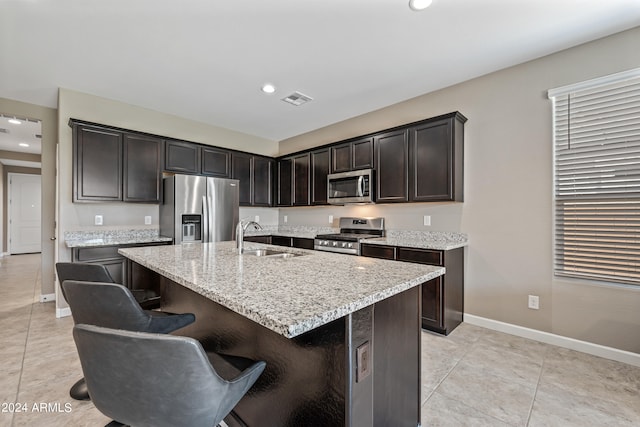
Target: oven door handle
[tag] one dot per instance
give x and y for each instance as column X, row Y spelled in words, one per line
column 361, row 186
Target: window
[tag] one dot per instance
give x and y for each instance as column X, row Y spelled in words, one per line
column 597, row 179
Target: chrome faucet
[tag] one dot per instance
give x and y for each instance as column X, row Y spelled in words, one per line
column 240, row 229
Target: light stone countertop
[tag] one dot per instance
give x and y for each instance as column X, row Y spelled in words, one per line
column 438, row 240
column 290, row 296
column 96, row 238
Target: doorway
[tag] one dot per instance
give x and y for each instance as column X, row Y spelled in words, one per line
column 25, row 212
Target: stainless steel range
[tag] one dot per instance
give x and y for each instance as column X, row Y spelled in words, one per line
column 352, row 231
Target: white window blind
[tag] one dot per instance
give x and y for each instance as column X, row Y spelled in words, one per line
column 597, row 179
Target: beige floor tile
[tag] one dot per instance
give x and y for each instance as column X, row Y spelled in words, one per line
column 505, row 399
column 442, row 411
column 555, row 406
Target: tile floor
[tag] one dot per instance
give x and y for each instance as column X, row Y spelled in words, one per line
column 473, row 377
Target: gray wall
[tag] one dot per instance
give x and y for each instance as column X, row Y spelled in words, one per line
column 507, row 210
column 49, row 119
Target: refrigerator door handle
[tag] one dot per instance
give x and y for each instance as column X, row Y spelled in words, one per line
column 205, row 220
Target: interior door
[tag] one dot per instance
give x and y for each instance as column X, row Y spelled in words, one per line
column 25, row 210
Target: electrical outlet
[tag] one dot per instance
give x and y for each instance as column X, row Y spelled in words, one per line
column 534, row 302
column 98, row 220
column 257, row 218
column 286, row 218
column 363, row 361
column 147, row 220
column 330, row 219
column 427, row 220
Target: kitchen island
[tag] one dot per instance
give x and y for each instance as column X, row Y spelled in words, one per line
column 340, row 334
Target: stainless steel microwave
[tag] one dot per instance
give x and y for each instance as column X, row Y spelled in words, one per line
column 351, row 187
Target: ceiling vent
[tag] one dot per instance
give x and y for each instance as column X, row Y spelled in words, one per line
column 297, row 98
column 3, row 130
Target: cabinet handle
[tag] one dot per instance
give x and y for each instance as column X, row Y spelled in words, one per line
column 53, row 238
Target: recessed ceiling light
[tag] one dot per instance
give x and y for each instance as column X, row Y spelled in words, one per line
column 23, row 144
column 417, row 5
column 268, row 88
column 15, row 121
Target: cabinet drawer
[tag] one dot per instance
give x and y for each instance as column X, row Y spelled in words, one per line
column 378, row 251
column 302, row 243
column 95, row 254
column 421, row 256
column 258, row 239
column 281, row 241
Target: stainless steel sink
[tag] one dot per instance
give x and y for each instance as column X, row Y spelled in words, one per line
column 272, row 253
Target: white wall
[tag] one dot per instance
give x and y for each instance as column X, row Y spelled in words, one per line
column 507, row 211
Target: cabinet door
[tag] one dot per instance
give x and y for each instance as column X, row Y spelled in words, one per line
column 142, row 169
column 319, row 172
column 432, row 304
column 362, row 154
column 431, row 161
column 182, row 157
column 301, row 180
column 262, row 179
column 97, row 174
column 284, row 182
column 216, row 162
column 392, row 167
column 241, row 170
column 341, row 158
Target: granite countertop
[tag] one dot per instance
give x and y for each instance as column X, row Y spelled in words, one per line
column 438, row 240
column 96, row 238
column 287, row 295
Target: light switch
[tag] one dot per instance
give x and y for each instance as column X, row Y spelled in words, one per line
column 330, row 219
column 147, row 220
column 286, row 218
column 98, row 220
column 257, row 218
column 427, row 220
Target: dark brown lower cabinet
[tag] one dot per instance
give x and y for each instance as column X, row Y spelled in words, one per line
column 443, row 297
column 118, row 266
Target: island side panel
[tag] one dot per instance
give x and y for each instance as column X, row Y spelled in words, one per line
column 305, row 379
column 397, row 358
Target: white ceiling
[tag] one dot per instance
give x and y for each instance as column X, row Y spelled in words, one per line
column 207, row 59
column 13, row 134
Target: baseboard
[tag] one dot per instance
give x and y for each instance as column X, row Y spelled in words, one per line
column 47, row 297
column 63, row 312
column 548, row 338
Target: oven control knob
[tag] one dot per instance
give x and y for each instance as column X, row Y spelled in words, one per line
column 335, row 243
column 344, row 245
column 350, row 245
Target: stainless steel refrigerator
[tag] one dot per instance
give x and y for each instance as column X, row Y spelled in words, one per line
column 199, row 208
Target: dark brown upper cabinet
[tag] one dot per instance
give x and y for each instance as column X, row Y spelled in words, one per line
column 284, row 182
column 392, row 166
column 262, row 181
column 319, row 171
column 255, row 176
column 216, row 162
column 112, row 165
column 301, row 180
column 142, row 169
column 436, row 154
column 241, row 170
column 352, row 155
column 97, row 164
column 182, row 157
